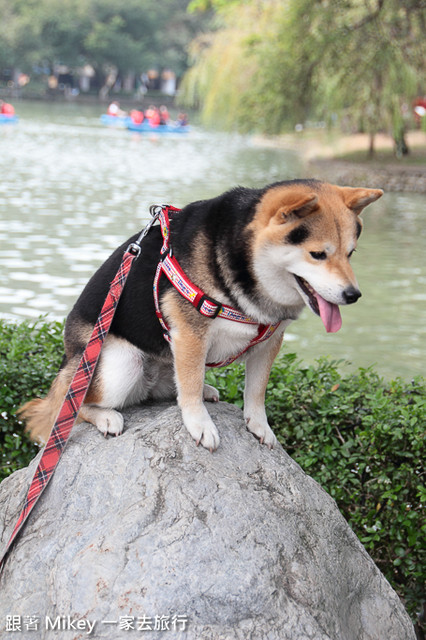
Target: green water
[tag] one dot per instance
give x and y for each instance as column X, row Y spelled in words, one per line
column 72, row 190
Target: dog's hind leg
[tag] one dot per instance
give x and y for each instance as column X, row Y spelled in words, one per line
column 210, row 394
column 108, row 421
column 118, row 382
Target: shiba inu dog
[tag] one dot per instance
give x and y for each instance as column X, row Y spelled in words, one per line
column 259, row 255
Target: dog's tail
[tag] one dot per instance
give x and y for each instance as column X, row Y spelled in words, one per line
column 40, row 414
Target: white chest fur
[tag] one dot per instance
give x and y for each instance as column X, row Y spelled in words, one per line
column 228, row 338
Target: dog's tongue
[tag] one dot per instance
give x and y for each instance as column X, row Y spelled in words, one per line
column 330, row 314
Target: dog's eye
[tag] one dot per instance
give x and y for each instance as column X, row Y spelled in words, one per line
column 318, row 255
column 351, row 252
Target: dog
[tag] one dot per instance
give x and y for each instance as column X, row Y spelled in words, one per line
column 264, row 253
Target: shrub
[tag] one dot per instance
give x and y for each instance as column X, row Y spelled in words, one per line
column 360, row 437
column 30, row 355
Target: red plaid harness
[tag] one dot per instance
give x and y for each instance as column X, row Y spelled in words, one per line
column 204, row 304
column 81, row 380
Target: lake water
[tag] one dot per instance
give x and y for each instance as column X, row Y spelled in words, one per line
column 72, row 190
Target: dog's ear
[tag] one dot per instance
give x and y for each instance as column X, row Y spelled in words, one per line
column 357, row 199
column 298, row 205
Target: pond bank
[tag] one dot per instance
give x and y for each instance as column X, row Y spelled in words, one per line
column 387, row 177
column 327, row 156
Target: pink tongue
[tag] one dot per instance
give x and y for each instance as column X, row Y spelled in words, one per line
column 330, row 314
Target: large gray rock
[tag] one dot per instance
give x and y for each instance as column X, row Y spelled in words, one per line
column 241, row 542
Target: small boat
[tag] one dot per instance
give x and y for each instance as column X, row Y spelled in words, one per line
column 5, row 119
column 115, row 121
column 126, row 122
column 145, row 127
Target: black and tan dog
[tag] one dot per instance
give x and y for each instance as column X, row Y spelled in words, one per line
column 265, row 252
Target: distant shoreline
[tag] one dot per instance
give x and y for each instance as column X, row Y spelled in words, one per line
column 394, row 177
column 324, row 156
column 152, row 97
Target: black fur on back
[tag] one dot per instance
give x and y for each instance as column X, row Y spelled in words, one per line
column 222, row 222
column 135, row 318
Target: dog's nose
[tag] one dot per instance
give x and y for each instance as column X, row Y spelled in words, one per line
column 351, row 295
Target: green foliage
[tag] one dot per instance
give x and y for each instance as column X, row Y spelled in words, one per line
column 360, row 437
column 207, row 5
column 363, row 440
column 30, row 355
column 223, row 65
column 131, row 36
column 299, row 60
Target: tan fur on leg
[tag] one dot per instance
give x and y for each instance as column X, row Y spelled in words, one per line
column 258, row 367
column 189, row 346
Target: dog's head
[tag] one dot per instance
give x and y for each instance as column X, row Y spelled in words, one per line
column 305, row 233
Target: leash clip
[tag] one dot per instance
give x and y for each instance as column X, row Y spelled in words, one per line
column 134, row 247
column 156, row 209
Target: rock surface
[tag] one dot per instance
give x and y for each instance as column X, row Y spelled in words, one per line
column 241, row 543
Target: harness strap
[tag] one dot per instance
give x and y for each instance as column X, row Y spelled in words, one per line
column 264, row 332
column 207, row 306
column 76, row 392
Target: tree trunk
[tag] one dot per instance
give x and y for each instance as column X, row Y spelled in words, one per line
column 111, row 77
column 371, row 149
column 401, row 147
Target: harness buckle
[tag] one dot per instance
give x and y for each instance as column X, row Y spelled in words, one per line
column 205, row 298
column 167, row 252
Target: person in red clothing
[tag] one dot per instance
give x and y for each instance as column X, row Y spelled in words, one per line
column 137, row 116
column 419, row 107
column 164, row 115
column 153, row 116
column 6, row 109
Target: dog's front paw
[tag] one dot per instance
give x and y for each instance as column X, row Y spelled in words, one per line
column 262, row 431
column 210, row 394
column 202, row 428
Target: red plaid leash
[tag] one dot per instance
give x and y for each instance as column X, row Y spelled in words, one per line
column 77, row 389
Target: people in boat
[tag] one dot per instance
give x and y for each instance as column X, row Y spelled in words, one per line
column 137, row 116
column 115, row 110
column 182, row 120
column 164, row 115
column 152, row 114
column 6, row 109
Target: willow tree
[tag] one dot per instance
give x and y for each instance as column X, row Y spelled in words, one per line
column 373, row 63
column 225, row 62
column 272, row 64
